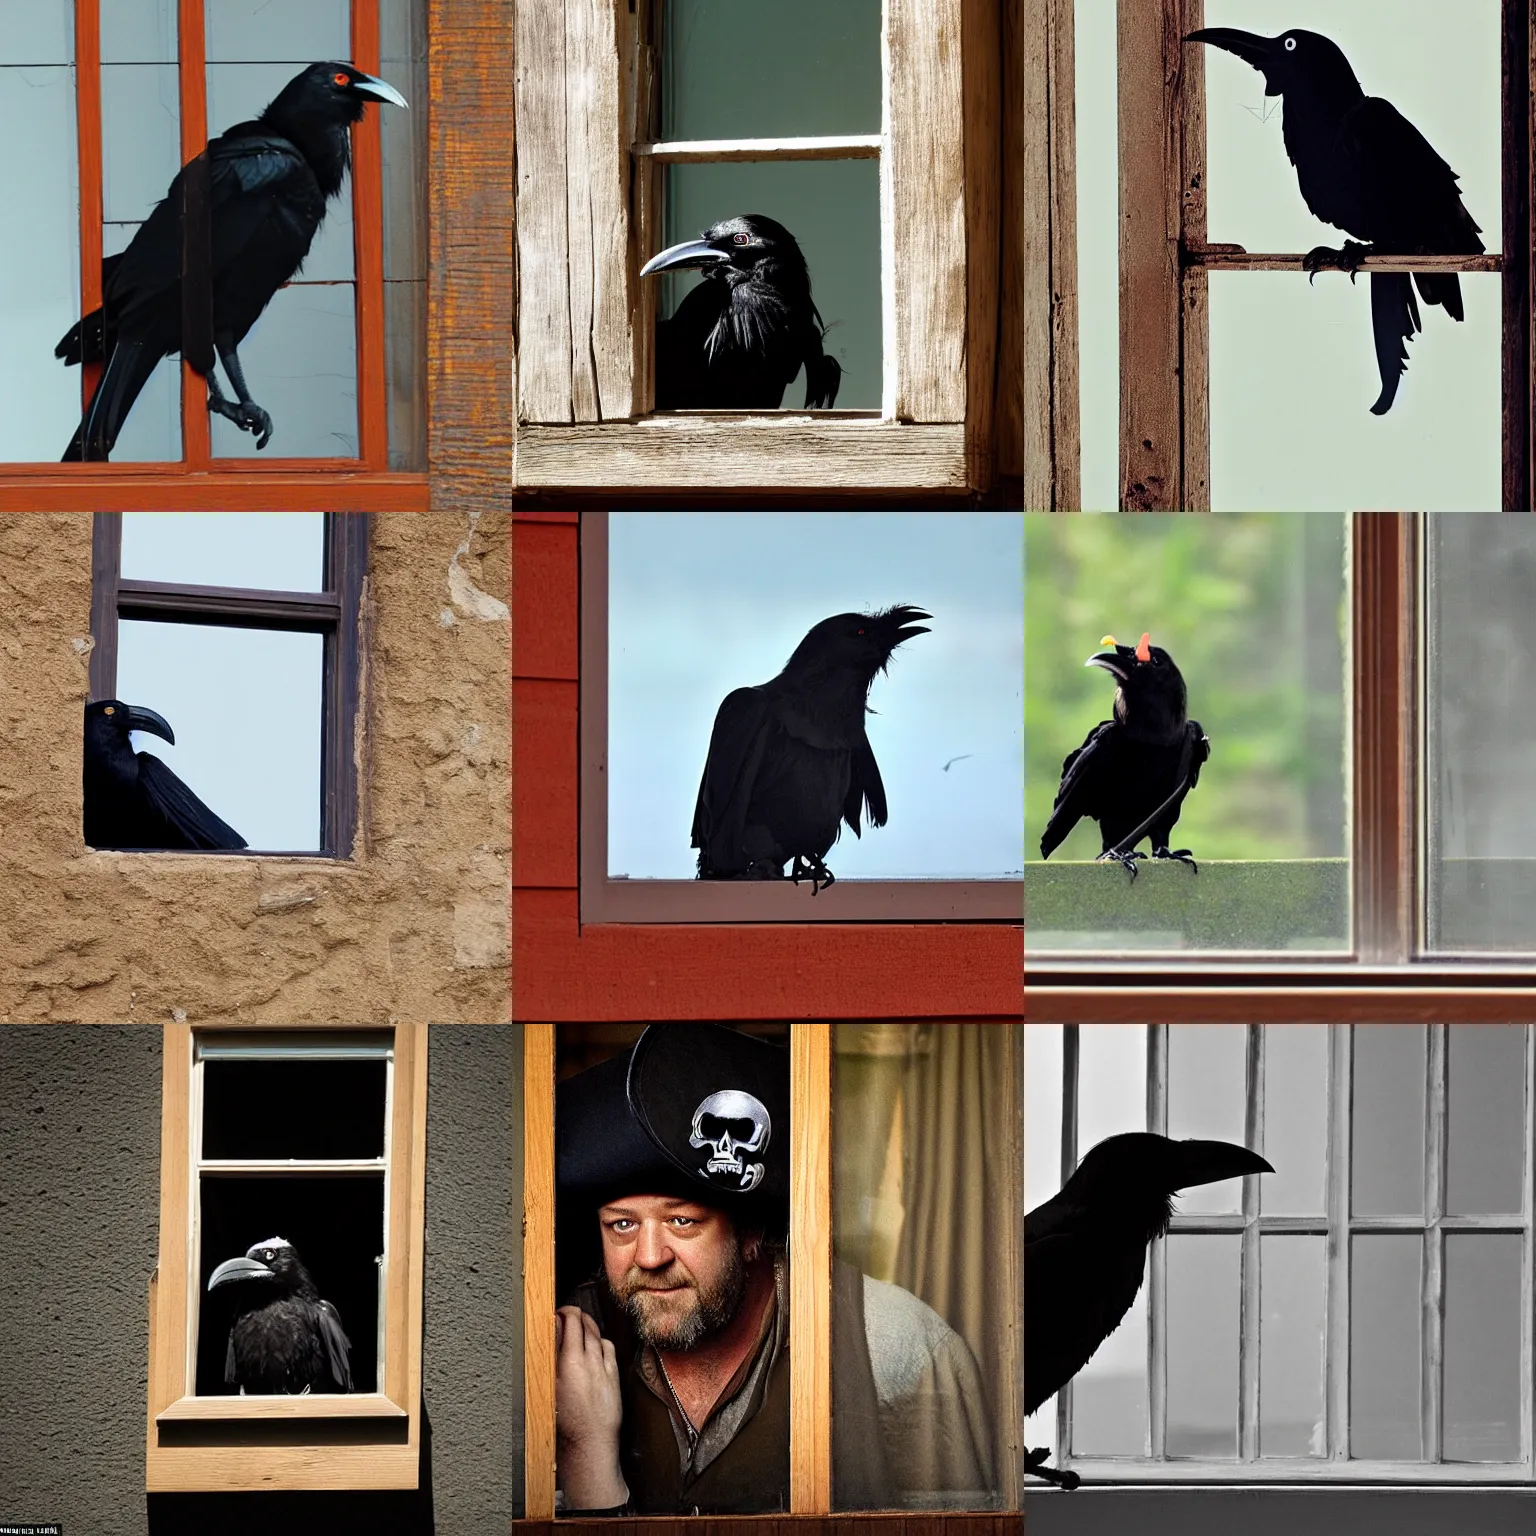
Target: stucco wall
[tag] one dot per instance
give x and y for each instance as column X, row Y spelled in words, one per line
column 414, row 927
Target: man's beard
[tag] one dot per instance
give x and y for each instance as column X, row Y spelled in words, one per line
column 712, row 1312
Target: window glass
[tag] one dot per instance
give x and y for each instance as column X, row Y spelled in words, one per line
column 1292, row 1341
column 1384, row 1348
column 701, row 604
column 1295, row 1119
column 1485, row 1172
column 1387, row 1157
column 293, row 1108
column 1482, row 1373
column 296, row 31
column 273, row 551
column 139, row 32
column 1203, row 1297
column 1207, row 1071
column 1251, row 611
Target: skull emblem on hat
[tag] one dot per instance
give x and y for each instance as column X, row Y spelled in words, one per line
column 731, row 1123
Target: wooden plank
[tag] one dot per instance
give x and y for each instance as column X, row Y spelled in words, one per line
column 192, row 77
column 828, row 146
column 167, row 490
column 982, row 96
column 1233, row 258
column 229, row 1468
column 368, row 1405
column 368, row 250
column 88, row 153
column 1022, row 359
column 1066, row 421
column 545, row 601
column 1194, row 294
column 810, row 1270
column 1516, row 50
column 538, row 1114
column 1338, row 1004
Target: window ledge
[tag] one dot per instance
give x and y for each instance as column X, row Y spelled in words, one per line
column 369, row 1405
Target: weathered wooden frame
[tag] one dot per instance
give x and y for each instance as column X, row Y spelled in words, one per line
column 582, row 332
column 223, row 1444
column 1337, row 1224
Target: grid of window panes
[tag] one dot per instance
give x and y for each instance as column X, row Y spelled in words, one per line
column 1361, row 1313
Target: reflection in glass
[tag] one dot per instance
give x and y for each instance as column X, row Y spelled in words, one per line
column 1295, row 1119
column 245, row 706
column 274, row 551
column 1203, row 1336
column 1292, row 1336
column 700, row 604
column 1207, row 1098
column 1384, row 1347
column 1482, row 1365
column 1485, row 1119
column 1387, row 1163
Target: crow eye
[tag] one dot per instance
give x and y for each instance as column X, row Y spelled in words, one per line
column 340, row 79
column 1290, row 45
column 740, row 239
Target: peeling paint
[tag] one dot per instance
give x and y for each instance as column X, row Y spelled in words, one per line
column 464, row 594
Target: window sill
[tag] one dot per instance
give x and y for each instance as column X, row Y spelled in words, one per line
column 781, row 901
column 370, row 1405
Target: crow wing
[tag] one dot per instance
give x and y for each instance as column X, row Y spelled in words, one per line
column 338, row 1348
column 1078, row 794
column 182, row 811
column 865, row 788
column 742, row 726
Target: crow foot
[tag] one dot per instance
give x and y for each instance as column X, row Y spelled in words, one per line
column 811, row 869
column 246, row 415
column 1181, row 854
column 1127, row 860
column 1346, row 258
column 1034, row 1466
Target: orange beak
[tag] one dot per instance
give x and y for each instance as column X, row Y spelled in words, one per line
column 1144, row 650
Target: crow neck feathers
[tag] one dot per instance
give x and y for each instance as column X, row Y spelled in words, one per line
column 1317, row 100
column 1152, row 708
column 318, row 129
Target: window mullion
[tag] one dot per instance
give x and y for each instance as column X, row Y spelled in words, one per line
column 1157, row 1277
column 1432, row 1294
column 538, row 1113
column 192, row 78
column 1336, row 1283
column 1070, row 1043
column 810, row 1270
column 1528, row 1264
column 89, row 151
column 1249, row 1344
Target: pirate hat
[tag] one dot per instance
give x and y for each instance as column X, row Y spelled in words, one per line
column 694, row 1110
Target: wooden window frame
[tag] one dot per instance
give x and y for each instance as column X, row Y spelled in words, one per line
column 1338, row 1225
column 607, row 900
column 334, row 612
column 583, row 400
column 1165, row 260
column 258, row 1443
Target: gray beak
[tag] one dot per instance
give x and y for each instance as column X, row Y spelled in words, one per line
column 1111, row 663
column 691, row 253
column 242, row 1268
column 380, row 90
column 142, row 719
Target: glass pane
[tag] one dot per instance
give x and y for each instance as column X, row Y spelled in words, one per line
column 1482, row 1369
column 276, row 551
column 1295, row 364
column 1387, row 1167
column 1481, row 733
column 336, row 1228
column 1485, row 1119
column 700, row 605
column 1250, row 611
column 815, row 70
column 139, row 32
column 1203, row 1334
column 1207, row 1100
column 245, row 706
column 1109, row 1394
column 296, row 31
column 39, row 32
column 832, row 208
column 1384, row 1348
column 1111, row 1082
column 303, row 1109
column 1295, row 1119
column 1291, row 1347
column 920, row 1210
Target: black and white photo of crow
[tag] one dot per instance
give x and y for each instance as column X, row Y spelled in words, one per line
column 1085, row 1251
column 131, row 799
column 738, row 339
column 1364, row 168
column 268, row 183
column 1131, row 773
column 284, row 1336
column 790, row 761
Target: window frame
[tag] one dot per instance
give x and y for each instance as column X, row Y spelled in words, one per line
column 583, row 403
column 226, row 1443
column 334, row 612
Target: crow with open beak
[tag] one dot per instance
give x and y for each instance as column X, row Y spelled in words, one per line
column 1364, row 168
column 131, row 799
column 739, row 338
column 789, row 760
column 284, row 1337
column 1132, row 773
column 1085, row 1251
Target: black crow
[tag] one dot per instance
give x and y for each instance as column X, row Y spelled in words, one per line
column 1131, row 773
column 1366, row 169
column 789, row 760
column 132, row 800
column 738, row 339
column 1085, row 1251
column 284, row 1338
column 268, row 183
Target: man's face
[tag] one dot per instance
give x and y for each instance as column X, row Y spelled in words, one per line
column 675, row 1266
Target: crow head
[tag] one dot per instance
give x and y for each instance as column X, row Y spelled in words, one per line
column 333, row 94
column 108, row 722
column 750, row 244
column 856, row 644
column 1296, row 63
column 1149, row 693
column 274, row 1265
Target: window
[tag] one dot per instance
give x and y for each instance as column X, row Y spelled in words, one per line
column 880, row 146
column 242, row 1152
column 259, row 682
column 1361, row 1314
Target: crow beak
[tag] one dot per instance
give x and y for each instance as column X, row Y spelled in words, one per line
column 1208, row 1162
column 242, row 1268
column 1248, row 46
column 1112, row 662
column 380, row 90
column 691, row 253
column 902, row 627
column 141, row 719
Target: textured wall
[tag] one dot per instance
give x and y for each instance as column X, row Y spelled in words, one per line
column 415, row 927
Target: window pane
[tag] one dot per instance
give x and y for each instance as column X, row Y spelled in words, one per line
column 1482, row 1364
column 1292, row 1346
column 139, row 32
column 1111, row 1082
column 1384, row 1348
column 275, row 551
column 815, row 70
column 701, row 604
column 40, row 32
column 832, row 208
column 296, row 31
column 927, row 1213
column 1203, row 1299
column 245, row 706
column 1207, row 1100
column 1109, row 1394
column 305, row 1109
column 1485, row 1119
column 1295, row 1119
column 1250, row 609
column 1387, row 1169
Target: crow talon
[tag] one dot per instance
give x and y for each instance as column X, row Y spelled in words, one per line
column 1182, row 855
column 1034, row 1466
column 1126, row 860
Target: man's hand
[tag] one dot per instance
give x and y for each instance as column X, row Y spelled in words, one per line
column 589, row 1408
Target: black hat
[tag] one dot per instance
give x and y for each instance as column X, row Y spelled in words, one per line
column 694, row 1110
